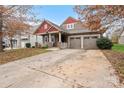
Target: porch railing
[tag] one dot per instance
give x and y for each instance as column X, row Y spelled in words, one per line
column 63, row 45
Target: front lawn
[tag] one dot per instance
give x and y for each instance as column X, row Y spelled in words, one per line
column 116, row 57
column 118, row 47
column 11, row 55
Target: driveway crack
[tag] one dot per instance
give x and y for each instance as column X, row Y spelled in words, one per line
column 74, row 85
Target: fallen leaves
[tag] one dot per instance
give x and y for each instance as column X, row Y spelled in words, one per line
column 117, row 60
column 15, row 54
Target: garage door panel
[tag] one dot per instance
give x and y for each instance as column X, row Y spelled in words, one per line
column 90, row 42
column 75, row 42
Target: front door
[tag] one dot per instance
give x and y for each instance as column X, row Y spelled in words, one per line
column 53, row 40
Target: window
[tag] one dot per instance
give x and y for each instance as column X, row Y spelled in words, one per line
column 86, row 37
column 72, row 38
column 46, row 38
column 53, row 38
column 94, row 37
column 70, row 26
column 77, row 38
column 23, row 39
column 45, row 26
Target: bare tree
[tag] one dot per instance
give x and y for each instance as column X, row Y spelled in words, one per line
column 15, row 27
column 96, row 15
column 1, row 24
column 14, row 18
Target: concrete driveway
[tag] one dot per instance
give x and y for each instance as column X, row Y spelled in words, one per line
column 61, row 68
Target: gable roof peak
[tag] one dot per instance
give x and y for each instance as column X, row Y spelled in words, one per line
column 52, row 25
column 70, row 20
column 72, row 17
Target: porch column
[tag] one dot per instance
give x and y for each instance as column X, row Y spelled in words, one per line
column 49, row 37
column 60, row 38
column 36, row 38
column 43, row 39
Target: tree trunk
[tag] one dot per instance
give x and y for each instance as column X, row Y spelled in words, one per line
column 1, row 44
column 11, row 44
column 1, row 26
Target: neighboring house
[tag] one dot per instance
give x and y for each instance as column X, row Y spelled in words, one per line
column 121, row 38
column 20, row 40
column 70, row 34
column 114, row 31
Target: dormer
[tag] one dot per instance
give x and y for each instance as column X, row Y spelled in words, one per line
column 70, row 26
column 69, row 23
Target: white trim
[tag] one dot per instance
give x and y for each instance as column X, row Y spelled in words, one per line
column 60, row 38
column 49, row 28
column 54, row 32
column 53, row 24
column 50, row 37
column 47, row 33
column 41, row 33
column 82, row 42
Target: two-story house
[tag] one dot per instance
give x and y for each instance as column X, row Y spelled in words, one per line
column 70, row 34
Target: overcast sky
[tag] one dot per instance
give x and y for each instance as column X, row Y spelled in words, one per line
column 55, row 13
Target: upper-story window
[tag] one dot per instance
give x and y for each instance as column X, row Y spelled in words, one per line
column 45, row 26
column 70, row 26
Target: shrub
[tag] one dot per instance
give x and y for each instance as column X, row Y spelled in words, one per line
column 104, row 43
column 28, row 45
column 33, row 46
column 4, row 46
column 46, row 46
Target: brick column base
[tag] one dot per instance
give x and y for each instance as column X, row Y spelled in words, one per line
column 50, row 44
column 59, row 44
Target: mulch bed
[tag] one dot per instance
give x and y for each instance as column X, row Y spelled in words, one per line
column 117, row 60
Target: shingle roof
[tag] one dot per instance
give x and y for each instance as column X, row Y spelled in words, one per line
column 78, row 31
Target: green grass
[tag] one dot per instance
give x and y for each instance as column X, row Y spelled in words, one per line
column 15, row 54
column 116, row 57
column 118, row 48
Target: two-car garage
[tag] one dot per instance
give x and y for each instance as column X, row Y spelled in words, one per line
column 83, row 41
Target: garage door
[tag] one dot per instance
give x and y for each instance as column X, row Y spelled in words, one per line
column 90, row 42
column 75, row 42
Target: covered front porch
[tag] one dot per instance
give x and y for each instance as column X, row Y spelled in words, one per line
column 55, row 39
column 53, row 35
